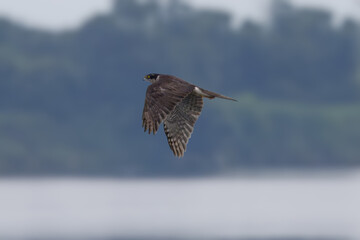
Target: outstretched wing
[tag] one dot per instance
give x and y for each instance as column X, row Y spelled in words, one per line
column 161, row 99
column 179, row 125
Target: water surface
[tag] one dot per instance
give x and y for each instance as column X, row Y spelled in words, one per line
column 256, row 207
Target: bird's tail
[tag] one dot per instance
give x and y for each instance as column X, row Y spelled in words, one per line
column 212, row 95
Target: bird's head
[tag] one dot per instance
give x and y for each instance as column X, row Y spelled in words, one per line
column 152, row 77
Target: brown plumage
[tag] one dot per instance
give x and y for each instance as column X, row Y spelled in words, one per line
column 178, row 104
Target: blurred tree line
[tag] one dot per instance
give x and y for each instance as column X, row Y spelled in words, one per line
column 71, row 102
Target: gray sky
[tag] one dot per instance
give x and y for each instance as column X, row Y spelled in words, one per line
column 64, row 14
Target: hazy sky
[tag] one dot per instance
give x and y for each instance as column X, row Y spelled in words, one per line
column 63, row 14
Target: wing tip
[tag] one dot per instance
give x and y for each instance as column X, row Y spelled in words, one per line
column 150, row 128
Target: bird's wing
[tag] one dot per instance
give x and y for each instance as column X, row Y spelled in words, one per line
column 179, row 125
column 161, row 99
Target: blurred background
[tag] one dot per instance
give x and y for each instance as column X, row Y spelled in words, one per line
column 282, row 163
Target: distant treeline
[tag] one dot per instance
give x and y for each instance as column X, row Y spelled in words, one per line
column 71, row 102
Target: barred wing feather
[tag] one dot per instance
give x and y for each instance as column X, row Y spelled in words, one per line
column 179, row 125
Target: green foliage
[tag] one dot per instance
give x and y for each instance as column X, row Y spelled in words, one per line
column 282, row 133
column 72, row 101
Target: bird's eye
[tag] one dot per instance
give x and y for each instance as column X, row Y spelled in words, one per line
column 148, row 76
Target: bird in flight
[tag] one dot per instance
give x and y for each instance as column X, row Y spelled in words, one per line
column 178, row 104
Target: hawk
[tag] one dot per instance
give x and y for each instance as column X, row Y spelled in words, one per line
column 177, row 104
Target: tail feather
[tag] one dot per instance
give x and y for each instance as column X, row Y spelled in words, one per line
column 212, row 95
